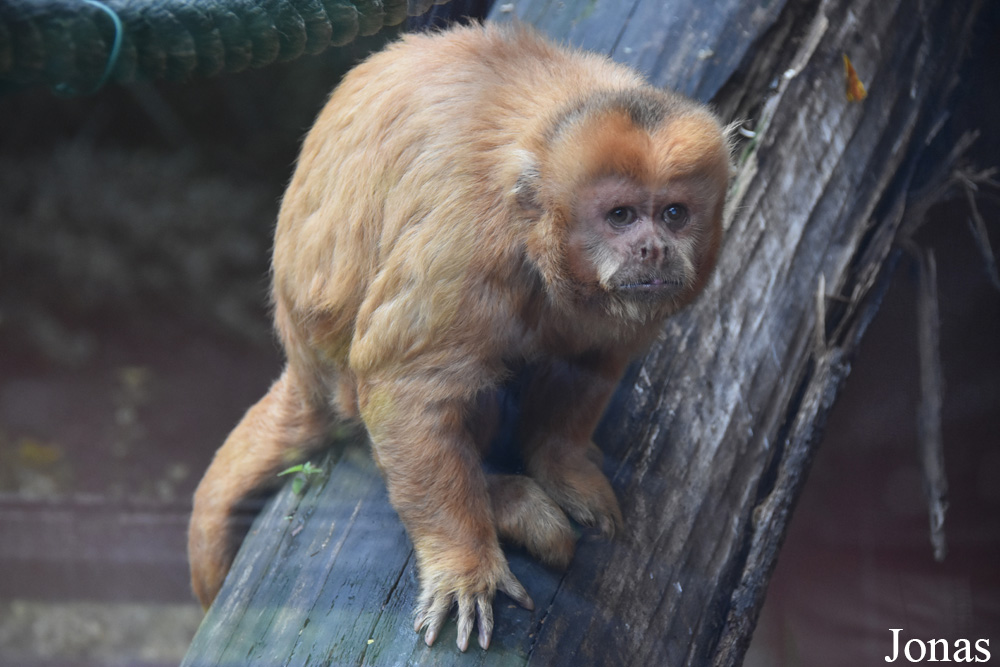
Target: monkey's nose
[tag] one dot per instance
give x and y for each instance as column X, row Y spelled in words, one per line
column 650, row 252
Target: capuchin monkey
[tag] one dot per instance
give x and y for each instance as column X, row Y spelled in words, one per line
column 469, row 204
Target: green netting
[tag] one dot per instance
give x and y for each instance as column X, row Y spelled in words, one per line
column 70, row 45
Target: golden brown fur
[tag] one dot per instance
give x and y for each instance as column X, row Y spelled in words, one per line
column 454, row 217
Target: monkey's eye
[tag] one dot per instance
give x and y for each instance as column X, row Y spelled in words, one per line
column 621, row 216
column 676, row 216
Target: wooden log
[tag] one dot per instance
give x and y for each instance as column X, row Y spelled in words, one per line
column 711, row 437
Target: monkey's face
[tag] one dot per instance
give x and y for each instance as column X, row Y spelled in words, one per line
column 628, row 191
column 643, row 247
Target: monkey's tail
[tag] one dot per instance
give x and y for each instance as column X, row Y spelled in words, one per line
column 278, row 431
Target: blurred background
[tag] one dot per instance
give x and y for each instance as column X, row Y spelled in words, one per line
column 135, row 228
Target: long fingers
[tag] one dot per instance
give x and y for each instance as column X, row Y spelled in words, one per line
column 515, row 591
column 474, row 609
column 466, row 617
column 432, row 615
column 485, row 608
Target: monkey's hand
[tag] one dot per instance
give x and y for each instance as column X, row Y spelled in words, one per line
column 473, row 591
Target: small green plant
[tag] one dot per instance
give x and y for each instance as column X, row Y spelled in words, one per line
column 302, row 473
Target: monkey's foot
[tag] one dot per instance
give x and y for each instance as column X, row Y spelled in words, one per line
column 570, row 476
column 525, row 515
column 439, row 592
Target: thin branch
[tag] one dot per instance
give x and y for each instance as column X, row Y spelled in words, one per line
column 930, row 442
column 970, row 182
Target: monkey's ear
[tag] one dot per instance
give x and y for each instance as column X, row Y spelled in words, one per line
column 526, row 188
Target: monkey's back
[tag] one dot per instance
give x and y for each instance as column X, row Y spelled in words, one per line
column 402, row 194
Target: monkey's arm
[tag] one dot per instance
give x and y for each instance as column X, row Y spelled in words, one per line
column 432, row 469
column 562, row 406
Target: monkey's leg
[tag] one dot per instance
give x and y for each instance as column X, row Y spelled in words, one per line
column 561, row 408
column 273, row 434
column 522, row 512
column 436, row 483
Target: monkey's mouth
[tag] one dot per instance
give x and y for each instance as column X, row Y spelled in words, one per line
column 652, row 285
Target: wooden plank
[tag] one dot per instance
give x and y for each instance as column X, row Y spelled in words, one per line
column 711, row 440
